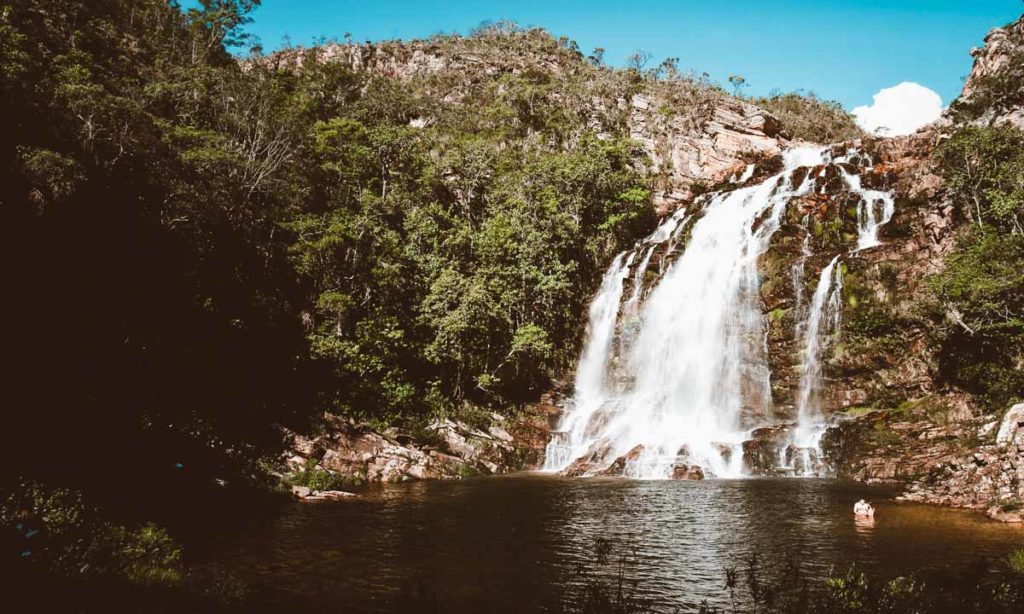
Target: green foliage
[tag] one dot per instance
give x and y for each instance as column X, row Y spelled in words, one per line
column 317, row 478
column 805, row 116
column 1012, row 506
column 456, row 277
column 72, row 539
column 981, row 291
column 1016, row 561
column 984, row 169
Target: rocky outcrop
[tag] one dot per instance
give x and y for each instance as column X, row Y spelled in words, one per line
column 692, row 134
column 685, row 154
column 993, row 93
column 989, row 476
column 942, row 452
column 900, row 445
column 449, row 449
column 305, row 493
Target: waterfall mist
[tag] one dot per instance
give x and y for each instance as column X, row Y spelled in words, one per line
column 674, row 375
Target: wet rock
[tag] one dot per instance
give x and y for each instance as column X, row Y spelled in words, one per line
column 619, row 465
column 687, row 472
column 580, row 467
column 329, row 495
column 939, row 461
column 803, row 461
column 997, row 513
column 589, row 463
column 761, row 452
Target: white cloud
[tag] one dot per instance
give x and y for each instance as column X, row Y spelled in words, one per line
column 899, row 110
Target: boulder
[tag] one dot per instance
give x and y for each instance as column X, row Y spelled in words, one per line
column 687, row 472
column 1011, row 425
column 361, row 454
column 329, row 495
column 1003, row 515
column 618, row 466
column 761, row 453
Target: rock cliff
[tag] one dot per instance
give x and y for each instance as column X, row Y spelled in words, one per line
column 921, row 432
column 993, row 92
column 692, row 133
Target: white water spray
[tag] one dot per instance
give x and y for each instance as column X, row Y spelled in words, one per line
column 875, row 208
column 685, row 378
column 681, row 379
column 823, row 319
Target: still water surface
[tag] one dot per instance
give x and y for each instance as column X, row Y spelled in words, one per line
column 514, row 544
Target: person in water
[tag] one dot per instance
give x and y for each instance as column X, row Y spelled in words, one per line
column 863, row 509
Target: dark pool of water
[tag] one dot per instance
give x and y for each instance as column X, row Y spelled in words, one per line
column 515, row 544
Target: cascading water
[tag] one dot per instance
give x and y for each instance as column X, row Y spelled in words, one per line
column 682, row 381
column 680, row 378
column 875, row 209
column 823, row 319
column 590, row 374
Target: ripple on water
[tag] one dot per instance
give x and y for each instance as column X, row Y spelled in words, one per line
column 514, row 544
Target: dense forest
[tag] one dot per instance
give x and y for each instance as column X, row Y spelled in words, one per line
column 199, row 250
column 203, row 243
column 207, row 247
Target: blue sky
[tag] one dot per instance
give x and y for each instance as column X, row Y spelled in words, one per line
column 842, row 50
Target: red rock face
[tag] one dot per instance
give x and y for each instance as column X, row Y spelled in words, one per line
column 997, row 65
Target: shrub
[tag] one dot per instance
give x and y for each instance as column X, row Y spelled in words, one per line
column 805, row 116
column 1016, row 560
column 73, row 539
column 1011, row 506
column 317, row 478
column 981, row 291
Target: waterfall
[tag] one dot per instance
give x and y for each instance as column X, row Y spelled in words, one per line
column 677, row 390
column 822, row 319
column 875, row 209
column 675, row 375
column 665, row 231
column 590, row 374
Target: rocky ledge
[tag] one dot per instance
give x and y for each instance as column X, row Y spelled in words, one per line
column 354, row 454
column 942, row 453
column 629, row 464
column 305, row 493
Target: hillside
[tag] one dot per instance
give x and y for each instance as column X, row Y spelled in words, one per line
column 230, row 273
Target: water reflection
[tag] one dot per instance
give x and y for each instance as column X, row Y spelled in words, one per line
column 864, row 525
column 515, row 544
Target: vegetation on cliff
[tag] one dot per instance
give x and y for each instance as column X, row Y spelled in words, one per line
column 806, row 117
column 981, row 290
